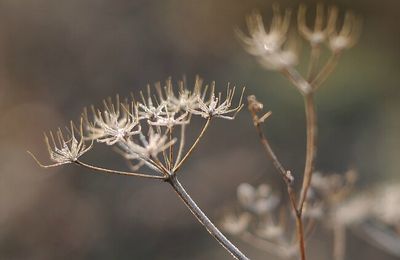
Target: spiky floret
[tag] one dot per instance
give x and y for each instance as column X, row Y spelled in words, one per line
column 64, row 149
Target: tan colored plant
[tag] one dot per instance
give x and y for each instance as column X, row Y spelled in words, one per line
column 144, row 133
column 276, row 51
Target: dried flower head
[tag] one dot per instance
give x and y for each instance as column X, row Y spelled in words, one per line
column 258, row 200
column 186, row 99
column 324, row 25
column 348, row 35
column 272, row 49
column 277, row 49
column 146, row 152
column 67, row 148
column 115, row 123
column 261, row 42
column 333, row 188
column 215, row 107
column 150, row 109
column 124, row 124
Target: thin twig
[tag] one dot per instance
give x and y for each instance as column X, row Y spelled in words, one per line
column 204, row 220
column 325, row 71
column 203, row 130
column 164, row 154
column 171, row 151
column 297, row 80
column 287, row 177
column 314, row 59
column 104, row 170
column 181, row 144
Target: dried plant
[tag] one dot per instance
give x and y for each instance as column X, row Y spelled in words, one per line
column 277, row 50
column 144, row 133
column 151, row 132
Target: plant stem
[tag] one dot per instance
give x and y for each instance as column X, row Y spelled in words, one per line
column 286, row 175
column 288, row 178
column 330, row 65
column 310, row 149
column 339, row 242
column 181, row 145
column 297, row 80
column 203, row 130
column 105, row 170
column 300, row 235
column 204, row 220
column 314, row 58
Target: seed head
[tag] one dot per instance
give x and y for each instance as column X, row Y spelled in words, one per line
column 147, row 150
column 348, row 35
column 115, row 123
column 67, row 149
column 323, row 24
column 270, row 48
column 214, row 107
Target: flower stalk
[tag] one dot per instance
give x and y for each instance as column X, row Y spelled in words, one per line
column 204, row 220
column 272, row 50
column 143, row 133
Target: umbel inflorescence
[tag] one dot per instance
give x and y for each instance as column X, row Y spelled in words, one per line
column 149, row 131
column 144, row 130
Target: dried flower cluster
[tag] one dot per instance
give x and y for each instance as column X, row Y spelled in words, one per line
column 144, row 131
column 276, row 49
column 150, row 131
column 263, row 219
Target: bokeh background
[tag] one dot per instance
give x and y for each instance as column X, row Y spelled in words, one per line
column 58, row 56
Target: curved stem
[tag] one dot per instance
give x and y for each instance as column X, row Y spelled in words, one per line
column 311, row 148
column 204, row 220
column 104, row 170
column 203, row 130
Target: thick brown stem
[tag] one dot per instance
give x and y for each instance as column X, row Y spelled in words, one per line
column 300, row 236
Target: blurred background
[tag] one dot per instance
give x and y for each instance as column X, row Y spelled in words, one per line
column 58, row 56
